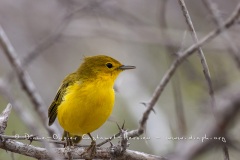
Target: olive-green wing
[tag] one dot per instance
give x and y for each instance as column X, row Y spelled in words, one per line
column 52, row 111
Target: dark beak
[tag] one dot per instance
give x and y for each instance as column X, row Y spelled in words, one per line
column 125, row 67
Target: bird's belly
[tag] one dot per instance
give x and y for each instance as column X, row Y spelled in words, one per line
column 83, row 113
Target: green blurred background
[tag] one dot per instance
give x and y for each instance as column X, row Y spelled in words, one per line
column 131, row 32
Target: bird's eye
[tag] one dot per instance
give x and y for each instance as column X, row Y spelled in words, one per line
column 109, row 65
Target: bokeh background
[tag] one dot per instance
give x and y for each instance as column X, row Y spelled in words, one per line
column 132, row 32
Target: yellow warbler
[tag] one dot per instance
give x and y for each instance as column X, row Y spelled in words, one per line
column 85, row 99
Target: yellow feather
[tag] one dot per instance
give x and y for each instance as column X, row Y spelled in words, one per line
column 86, row 106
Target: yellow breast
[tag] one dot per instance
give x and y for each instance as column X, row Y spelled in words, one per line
column 85, row 107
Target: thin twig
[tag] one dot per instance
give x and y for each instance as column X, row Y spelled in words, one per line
column 234, row 51
column 200, row 52
column 202, row 57
column 169, row 73
column 109, row 139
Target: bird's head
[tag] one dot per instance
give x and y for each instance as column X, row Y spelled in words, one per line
column 101, row 67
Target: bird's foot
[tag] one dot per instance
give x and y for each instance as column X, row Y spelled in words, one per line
column 90, row 151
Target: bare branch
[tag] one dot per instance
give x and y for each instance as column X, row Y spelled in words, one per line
column 200, row 52
column 169, row 73
column 76, row 153
column 25, row 80
column 4, row 118
column 234, row 52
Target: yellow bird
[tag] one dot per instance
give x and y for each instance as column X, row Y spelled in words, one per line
column 85, row 99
